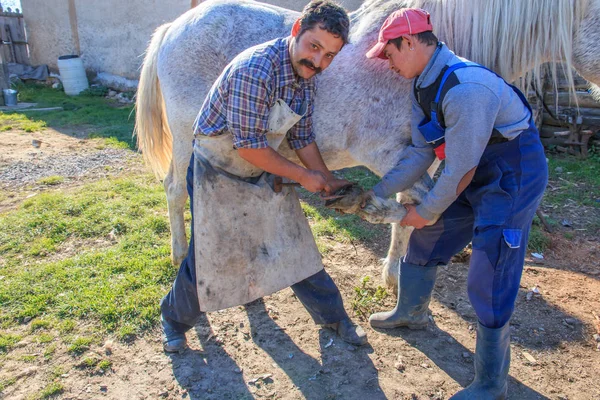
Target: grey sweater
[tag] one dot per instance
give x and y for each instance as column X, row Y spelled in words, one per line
column 481, row 102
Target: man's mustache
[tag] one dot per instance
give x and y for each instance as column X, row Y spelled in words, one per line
column 310, row 65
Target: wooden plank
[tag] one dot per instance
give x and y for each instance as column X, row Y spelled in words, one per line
column 584, row 99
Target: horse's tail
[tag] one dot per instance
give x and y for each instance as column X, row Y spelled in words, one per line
column 154, row 138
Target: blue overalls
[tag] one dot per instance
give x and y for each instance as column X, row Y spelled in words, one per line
column 318, row 293
column 494, row 212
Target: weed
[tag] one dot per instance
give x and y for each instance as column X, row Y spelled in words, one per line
column 51, row 390
column 7, row 341
column 104, row 365
column 6, row 383
column 366, row 297
column 80, row 345
column 51, row 180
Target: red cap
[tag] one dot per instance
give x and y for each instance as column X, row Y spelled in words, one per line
column 405, row 21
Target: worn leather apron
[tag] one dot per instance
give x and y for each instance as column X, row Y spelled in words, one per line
column 249, row 241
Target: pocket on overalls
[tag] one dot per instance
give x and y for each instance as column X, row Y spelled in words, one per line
column 512, row 237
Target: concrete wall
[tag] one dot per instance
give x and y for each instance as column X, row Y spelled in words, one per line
column 109, row 35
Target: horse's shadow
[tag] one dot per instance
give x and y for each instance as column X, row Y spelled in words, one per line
column 211, row 373
column 455, row 359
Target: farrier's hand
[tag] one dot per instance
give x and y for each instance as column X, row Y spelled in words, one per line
column 313, row 181
column 366, row 197
column 333, row 185
column 413, row 218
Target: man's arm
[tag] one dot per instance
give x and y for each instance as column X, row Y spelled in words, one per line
column 413, row 161
column 470, row 110
column 271, row 161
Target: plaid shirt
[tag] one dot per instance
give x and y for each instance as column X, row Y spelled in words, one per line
column 241, row 98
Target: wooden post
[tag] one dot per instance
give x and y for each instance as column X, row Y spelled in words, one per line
column 4, row 81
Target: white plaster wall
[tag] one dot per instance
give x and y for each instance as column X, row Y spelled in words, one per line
column 111, row 35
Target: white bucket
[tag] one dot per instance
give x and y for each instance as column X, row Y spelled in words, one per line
column 72, row 74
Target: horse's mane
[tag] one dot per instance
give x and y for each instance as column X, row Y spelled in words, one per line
column 512, row 37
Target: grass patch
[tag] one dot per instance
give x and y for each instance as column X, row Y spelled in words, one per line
column 29, row 358
column 80, row 345
column 9, row 121
column 51, row 390
column 116, row 286
column 49, row 352
column 51, row 180
column 6, row 383
column 40, row 324
column 89, row 363
column 367, row 297
column 104, row 365
column 7, row 341
column 44, row 338
column 538, row 239
column 361, row 175
column 577, row 180
column 108, row 119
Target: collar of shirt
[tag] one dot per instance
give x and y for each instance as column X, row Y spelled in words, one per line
column 434, row 67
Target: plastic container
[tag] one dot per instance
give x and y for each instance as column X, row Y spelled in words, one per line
column 72, row 74
column 10, row 97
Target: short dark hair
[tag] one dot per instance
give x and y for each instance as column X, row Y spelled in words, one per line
column 328, row 15
column 427, row 38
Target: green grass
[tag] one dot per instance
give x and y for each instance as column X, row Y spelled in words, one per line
column 9, row 121
column 80, row 345
column 51, row 390
column 105, row 119
column 7, row 341
column 367, row 297
column 44, row 338
column 117, row 287
column 579, row 180
column 51, row 180
column 6, row 383
column 104, row 365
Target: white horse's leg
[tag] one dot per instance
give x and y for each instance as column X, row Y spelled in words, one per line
column 401, row 234
column 175, row 188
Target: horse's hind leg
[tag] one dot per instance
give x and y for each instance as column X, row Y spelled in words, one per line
column 176, row 189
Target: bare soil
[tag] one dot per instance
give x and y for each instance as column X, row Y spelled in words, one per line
column 272, row 349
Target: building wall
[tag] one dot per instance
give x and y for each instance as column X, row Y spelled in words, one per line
column 109, row 35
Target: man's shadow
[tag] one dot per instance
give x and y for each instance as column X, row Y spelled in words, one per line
column 313, row 379
column 455, row 359
column 211, row 373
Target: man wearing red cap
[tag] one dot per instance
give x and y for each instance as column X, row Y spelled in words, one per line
column 492, row 183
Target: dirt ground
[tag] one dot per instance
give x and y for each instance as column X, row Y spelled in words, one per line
column 272, row 349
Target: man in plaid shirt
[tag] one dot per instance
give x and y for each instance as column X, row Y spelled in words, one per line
column 239, row 104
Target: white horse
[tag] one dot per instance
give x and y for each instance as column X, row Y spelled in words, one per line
column 362, row 109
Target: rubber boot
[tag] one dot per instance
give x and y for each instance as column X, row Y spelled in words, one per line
column 492, row 360
column 349, row 332
column 173, row 340
column 415, row 284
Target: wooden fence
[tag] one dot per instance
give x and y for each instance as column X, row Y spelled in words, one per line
column 565, row 125
column 14, row 41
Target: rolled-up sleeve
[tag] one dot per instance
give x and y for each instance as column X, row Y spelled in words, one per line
column 248, row 108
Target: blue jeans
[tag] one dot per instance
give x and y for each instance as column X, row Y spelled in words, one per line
column 495, row 213
column 318, row 293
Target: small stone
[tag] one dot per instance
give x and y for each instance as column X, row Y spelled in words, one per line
column 399, row 365
column 103, row 388
column 558, row 169
column 164, row 393
column 112, row 93
column 470, row 327
column 424, row 365
column 596, row 337
column 26, row 320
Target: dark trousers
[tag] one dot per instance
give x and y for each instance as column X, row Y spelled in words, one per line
column 495, row 213
column 318, row 293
